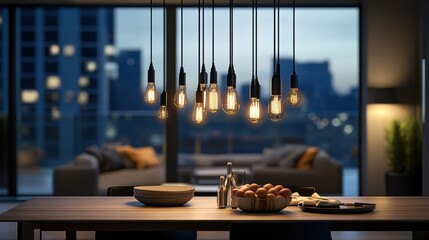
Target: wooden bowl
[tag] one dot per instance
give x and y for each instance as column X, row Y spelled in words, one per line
column 261, row 204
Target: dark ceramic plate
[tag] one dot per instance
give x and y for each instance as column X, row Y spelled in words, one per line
column 338, row 210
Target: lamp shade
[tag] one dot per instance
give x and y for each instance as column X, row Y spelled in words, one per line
column 383, row 95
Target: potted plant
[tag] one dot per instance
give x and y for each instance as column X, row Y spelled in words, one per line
column 404, row 151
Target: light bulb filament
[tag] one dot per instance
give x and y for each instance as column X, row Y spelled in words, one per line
column 231, row 101
column 198, row 116
column 163, row 114
column 276, row 110
column 294, row 97
column 213, row 98
column 254, row 110
column 276, row 106
column 231, row 104
column 151, row 93
column 181, row 99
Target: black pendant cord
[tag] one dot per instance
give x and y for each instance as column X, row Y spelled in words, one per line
column 230, row 32
column 213, row 31
column 253, row 40
column 278, row 35
column 203, row 31
column 274, row 36
column 181, row 33
column 199, row 35
column 293, row 60
column 164, row 23
column 150, row 30
column 256, row 40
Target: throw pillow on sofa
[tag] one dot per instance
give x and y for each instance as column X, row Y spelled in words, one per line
column 126, row 163
column 143, row 157
column 93, row 150
column 272, row 156
column 108, row 159
column 111, row 160
column 305, row 162
column 285, row 156
column 291, row 159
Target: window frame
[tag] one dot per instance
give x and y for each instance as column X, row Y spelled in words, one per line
column 171, row 125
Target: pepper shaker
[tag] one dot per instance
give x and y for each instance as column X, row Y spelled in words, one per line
column 229, row 183
column 221, row 203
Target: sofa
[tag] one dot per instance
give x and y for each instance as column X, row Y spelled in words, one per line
column 97, row 168
column 300, row 165
column 291, row 165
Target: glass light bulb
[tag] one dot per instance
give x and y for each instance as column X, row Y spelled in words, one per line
column 181, row 99
column 151, row 94
column 294, row 97
column 230, row 103
column 213, row 98
column 254, row 111
column 199, row 114
column 276, row 111
column 162, row 113
column 204, row 90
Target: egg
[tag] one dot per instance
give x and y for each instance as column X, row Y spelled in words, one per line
column 239, row 193
column 274, row 191
column 253, row 187
column 234, row 191
column 270, row 196
column 249, row 194
column 261, row 192
column 244, row 188
column 285, row 192
column 279, row 187
column 268, row 186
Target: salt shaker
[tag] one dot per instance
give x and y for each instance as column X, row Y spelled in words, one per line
column 229, row 183
column 221, row 193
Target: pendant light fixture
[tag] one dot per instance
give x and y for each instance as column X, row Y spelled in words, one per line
column 151, row 94
column 203, row 73
column 213, row 92
column 294, row 96
column 230, row 104
column 276, row 110
column 254, row 111
column 199, row 113
column 162, row 113
column 181, row 99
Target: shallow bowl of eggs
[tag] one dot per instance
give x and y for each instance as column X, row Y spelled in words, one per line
column 261, row 198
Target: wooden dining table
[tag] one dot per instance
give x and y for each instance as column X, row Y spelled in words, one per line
column 73, row 214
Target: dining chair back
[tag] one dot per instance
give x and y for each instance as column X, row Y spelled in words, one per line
column 120, row 191
column 140, row 235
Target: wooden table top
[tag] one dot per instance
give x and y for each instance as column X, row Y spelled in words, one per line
column 201, row 213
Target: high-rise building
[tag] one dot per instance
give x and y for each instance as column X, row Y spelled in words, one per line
column 126, row 90
column 62, row 82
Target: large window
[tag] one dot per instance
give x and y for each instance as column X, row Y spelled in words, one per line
column 80, row 74
column 327, row 55
column 3, row 98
